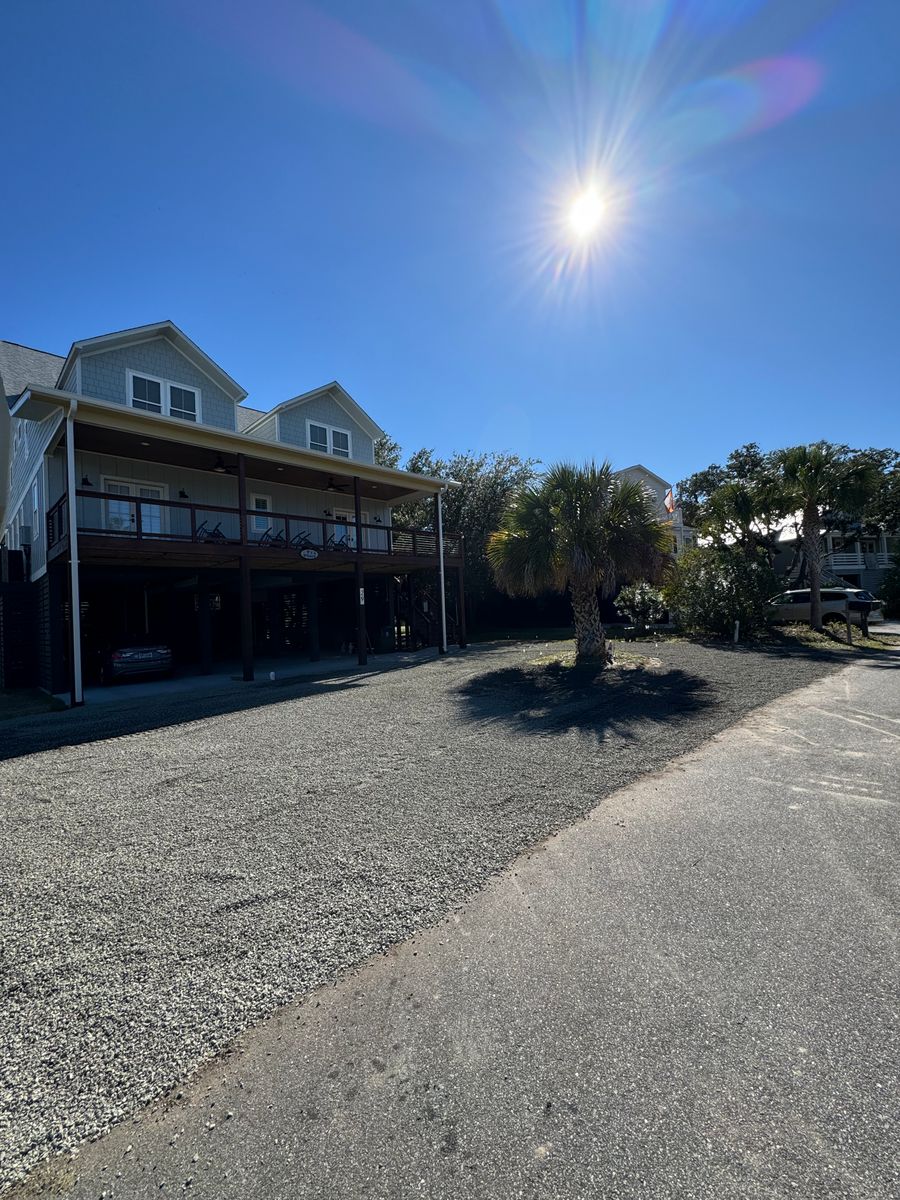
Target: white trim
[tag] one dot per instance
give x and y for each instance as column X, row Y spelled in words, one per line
column 440, row 538
column 168, row 330
column 253, row 513
column 135, row 483
column 165, row 395
column 75, row 593
column 331, row 430
column 341, row 397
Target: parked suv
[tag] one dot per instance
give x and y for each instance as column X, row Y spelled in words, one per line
column 794, row 605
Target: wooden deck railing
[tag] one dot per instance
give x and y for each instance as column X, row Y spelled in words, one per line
column 134, row 518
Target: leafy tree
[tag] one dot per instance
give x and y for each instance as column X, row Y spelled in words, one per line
column 747, row 466
column 824, row 483
column 890, row 590
column 581, row 529
column 711, row 587
column 883, row 509
column 487, row 483
column 642, row 603
column 387, row 452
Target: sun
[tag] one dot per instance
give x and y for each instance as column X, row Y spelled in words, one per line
column 587, row 213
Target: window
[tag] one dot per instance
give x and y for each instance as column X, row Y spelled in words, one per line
column 146, row 393
column 260, row 504
column 328, row 440
column 162, row 396
column 345, row 526
column 120, row 516
column 182, row 402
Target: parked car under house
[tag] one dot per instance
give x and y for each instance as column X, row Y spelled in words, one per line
column 147, row 498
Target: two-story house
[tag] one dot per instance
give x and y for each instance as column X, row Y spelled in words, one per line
column 144, row 498
column 667, row 508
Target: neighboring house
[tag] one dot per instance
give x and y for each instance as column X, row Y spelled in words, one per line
column 858, row 559
column 667, row 509
column 141, row 487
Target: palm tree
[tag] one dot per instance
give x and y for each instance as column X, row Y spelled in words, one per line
column 823, row 480
column 580, row 528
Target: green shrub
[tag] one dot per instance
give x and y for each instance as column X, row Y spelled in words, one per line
column 889, row 591
column 641, row 603
column 711, row 587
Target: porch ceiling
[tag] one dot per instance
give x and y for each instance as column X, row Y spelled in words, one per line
column 100, row 439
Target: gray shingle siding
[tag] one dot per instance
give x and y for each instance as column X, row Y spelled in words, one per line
column 103, row 376
column 324, row 409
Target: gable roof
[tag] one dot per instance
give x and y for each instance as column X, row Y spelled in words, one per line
column 342, row 397
column 23, row 365
column 247, row 416
column 646, row 471
column 165, row 329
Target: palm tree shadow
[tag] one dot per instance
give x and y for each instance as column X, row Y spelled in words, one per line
column 555, row 699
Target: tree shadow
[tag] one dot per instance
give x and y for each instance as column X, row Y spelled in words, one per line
column 555, row 699
column 101, row 722
column 778, row 644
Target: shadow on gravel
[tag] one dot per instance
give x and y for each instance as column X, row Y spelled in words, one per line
column 556, row 699
column 80, row 726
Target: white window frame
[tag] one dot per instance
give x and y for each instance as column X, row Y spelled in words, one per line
column 165, row 396
column 136, row 483
column 35, row 511
column 331, row 430
column 255, row 529
column 346, row 517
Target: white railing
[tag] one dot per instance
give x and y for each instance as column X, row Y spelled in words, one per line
column 841, row 560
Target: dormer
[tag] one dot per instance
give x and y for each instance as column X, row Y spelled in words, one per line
column 326, row 420
column 157, row 369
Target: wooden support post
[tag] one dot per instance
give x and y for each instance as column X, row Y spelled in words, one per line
column 246, row 619
column 312, row 616
column 461, row 586
column 242, row 497
column 361, row 640
column 204, row 622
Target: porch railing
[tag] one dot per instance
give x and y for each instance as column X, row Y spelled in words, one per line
column 135, row 518
column 58, row 527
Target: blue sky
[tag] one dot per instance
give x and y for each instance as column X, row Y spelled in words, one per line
column 376, row 191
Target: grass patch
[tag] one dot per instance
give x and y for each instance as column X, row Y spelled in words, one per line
column 835, row 638
column 554, row 655
column 26, row 702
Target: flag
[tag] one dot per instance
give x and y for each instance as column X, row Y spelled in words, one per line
column 669, row 501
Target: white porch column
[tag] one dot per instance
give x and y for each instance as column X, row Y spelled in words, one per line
column 75, row 590
column 440, row 532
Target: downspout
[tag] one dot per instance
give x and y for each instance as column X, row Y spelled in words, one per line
column 440, row 532
column 75, row 589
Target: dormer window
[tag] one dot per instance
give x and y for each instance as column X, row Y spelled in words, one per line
column 327, row 439
column 163, row 396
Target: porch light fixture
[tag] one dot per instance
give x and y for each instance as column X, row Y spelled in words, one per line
column 145, row 443
column 378, row 521
column 219, row 465
column 182, row 494
column 327, row 512
column 85, row 482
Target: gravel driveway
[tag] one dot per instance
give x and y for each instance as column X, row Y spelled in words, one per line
column 173, row 870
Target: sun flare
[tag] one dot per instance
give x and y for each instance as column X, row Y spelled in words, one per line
column 587, row 213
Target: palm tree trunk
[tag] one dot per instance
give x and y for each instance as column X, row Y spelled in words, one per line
column 590, row 640
column 812, row 549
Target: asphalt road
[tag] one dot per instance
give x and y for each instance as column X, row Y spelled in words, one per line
column 691, row 993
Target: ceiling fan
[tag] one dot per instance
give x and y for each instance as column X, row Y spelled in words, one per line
column 336, row 487
column 221, row 467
